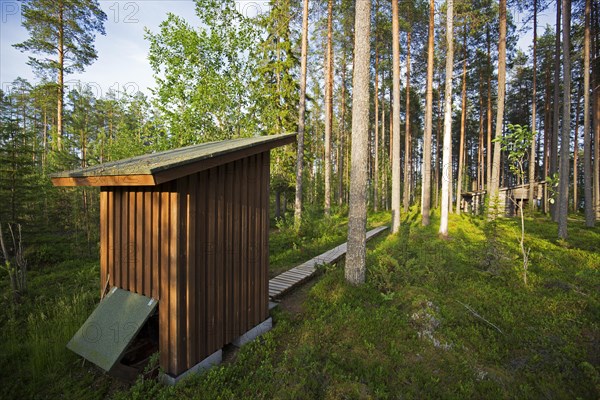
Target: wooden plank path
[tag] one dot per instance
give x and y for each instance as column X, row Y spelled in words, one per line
column 297, row 275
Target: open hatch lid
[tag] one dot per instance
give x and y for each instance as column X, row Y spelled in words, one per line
column 111, row 327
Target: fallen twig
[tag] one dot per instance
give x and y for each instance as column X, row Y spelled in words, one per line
column 105, row 288
column 479, row 316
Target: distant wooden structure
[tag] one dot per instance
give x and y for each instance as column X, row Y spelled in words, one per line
column 189, row 227
column 509, row 198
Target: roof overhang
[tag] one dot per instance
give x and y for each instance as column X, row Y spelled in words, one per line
column 154, row 169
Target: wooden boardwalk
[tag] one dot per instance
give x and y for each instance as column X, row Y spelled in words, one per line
column 295, row 276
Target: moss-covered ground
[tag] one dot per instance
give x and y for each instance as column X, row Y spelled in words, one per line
column 436, row 319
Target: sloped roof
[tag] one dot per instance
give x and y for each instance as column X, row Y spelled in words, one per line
column 157, row 168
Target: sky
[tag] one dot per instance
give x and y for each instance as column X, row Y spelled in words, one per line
column 122, row 63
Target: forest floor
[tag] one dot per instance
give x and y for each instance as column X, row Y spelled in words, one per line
column 436, row 319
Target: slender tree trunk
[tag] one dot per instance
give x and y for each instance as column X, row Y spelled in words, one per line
column 45, row 140
column 489, row 115
column 407, row 136
column 395, row 142
column 357, row 217
column 555, row 123
column 596, row 113
column 547, row 130
column 384, row 175
column 576, row 149
column 61, row 77
column 328, row 107
column 532, row 158
column 391, row 149
column 480, row 154
column 494, row 186
column 438, row 147
column 426, row 186
column 587, row 142
column 446, row 164
column 342, row 129
column 563, row 204
column 463, row 122
column 376, row 95
column 451, row 176
column 301, row 113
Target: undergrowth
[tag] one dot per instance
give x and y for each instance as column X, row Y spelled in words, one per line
column 436, row 319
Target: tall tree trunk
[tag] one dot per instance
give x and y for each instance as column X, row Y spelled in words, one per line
column 376, row 95
column 563, row 203
column 342, row 129
column 446, row 164
column 463, row 122
column 45, row 140
column 343, row 133
column 301, row 114
column 438, row 147
column 547, row 130
column 395, row 142
column 489, row 114
column 328, row 107
column 357, row 216
column 407, row 136
column 61, row 77
column 494, row 184
column 596, row 112
column 587, row 142
column 451, row 176
column 426, row 169
column 480, row 154
column 384, row 175
column 576, row 149
column 555, row 123
column 532, row 158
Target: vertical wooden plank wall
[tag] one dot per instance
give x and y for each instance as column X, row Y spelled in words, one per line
column 199, row 245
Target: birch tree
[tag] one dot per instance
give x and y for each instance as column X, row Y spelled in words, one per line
column 446, row 161
column 395, row 119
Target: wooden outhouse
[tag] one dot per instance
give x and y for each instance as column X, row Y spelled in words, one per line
column 187, row 228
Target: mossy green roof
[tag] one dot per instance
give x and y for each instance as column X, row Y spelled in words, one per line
column 150, row 164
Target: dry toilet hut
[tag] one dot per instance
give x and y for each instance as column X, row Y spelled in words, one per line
column 184, row 253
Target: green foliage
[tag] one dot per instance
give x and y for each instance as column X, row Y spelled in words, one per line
column 289, row 246
column 203, row 74
column 79, row 20
column 407, row 331
column 517, row 143
column 275, row 89
column 552, row 181
column 35, row 333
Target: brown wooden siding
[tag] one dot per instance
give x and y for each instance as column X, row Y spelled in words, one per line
column 200, row 245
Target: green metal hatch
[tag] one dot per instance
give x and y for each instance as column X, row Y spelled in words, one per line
column 110, row 328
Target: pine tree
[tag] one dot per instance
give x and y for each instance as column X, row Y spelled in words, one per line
column 587, row 142
column 496, row 171
column 301, row 117
column 357, row 217
column 426, row 188
column 563, row 201
column 66, row 30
